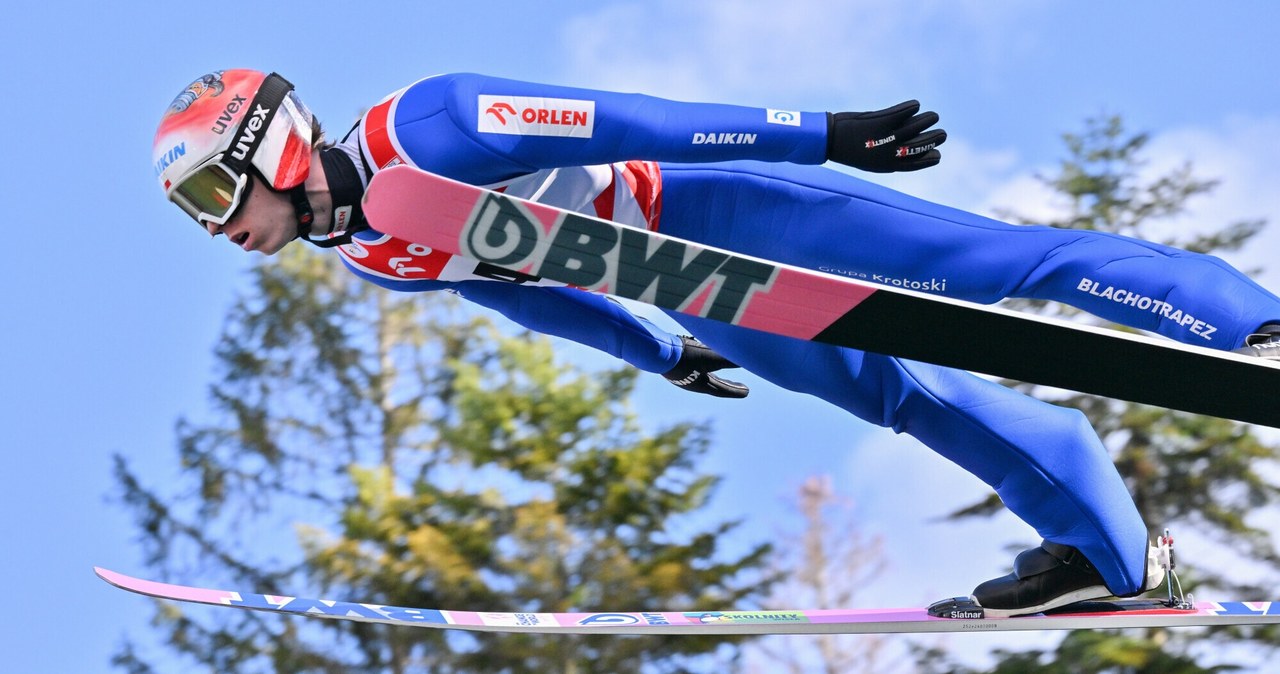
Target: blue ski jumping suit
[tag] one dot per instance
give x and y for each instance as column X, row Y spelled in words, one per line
column 746, row 179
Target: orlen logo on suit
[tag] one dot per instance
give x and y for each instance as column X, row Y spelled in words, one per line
column 532, row 116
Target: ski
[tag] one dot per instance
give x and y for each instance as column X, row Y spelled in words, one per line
column 1090, row 615
column 541, row 242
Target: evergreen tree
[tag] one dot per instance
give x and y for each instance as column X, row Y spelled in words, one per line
column 395, row 449
column 1204, row 477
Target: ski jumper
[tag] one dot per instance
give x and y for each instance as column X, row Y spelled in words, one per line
column 745, row 179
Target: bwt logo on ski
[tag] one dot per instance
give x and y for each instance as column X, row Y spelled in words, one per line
column 528, row 116
column 623, row 619
column 626, row 262
column 340, row 609
column 609, row 620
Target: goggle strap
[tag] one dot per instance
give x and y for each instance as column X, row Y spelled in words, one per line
column 245, row 143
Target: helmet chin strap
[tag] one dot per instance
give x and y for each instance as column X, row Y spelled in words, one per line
column 345, row 190
column 302, row 211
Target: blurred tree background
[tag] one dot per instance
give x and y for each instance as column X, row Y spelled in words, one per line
column 395, row 449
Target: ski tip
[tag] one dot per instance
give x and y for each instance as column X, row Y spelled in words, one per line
column 151, row 588
column 124, row 582
column 138, row 585
column 117, row 579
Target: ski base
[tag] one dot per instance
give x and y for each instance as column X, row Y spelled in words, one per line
column 1122, row 613
column 538, row 242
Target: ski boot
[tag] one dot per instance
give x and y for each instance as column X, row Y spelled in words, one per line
column 1265, row 343
column 1044, row 578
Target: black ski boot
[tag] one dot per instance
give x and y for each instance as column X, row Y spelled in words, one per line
column 1265, row 343
column 1046, row 577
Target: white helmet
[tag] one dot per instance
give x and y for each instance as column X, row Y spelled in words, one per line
column 221, row 126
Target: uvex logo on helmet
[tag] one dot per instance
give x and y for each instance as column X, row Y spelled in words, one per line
column 228, row 114
column 249, row 134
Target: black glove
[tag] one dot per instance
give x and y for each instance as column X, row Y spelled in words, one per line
column 886, row 140
column 693, row 371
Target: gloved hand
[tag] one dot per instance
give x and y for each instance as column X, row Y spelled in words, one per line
column 693, row 371
column 885, row 141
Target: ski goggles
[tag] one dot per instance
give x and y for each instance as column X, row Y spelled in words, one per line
column 211, row 193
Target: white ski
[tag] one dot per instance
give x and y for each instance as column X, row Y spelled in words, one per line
column 1090, row 615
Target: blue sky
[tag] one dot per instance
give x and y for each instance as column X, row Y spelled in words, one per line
column 113, row 301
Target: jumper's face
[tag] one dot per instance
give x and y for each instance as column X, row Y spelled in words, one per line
column 264, row 221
